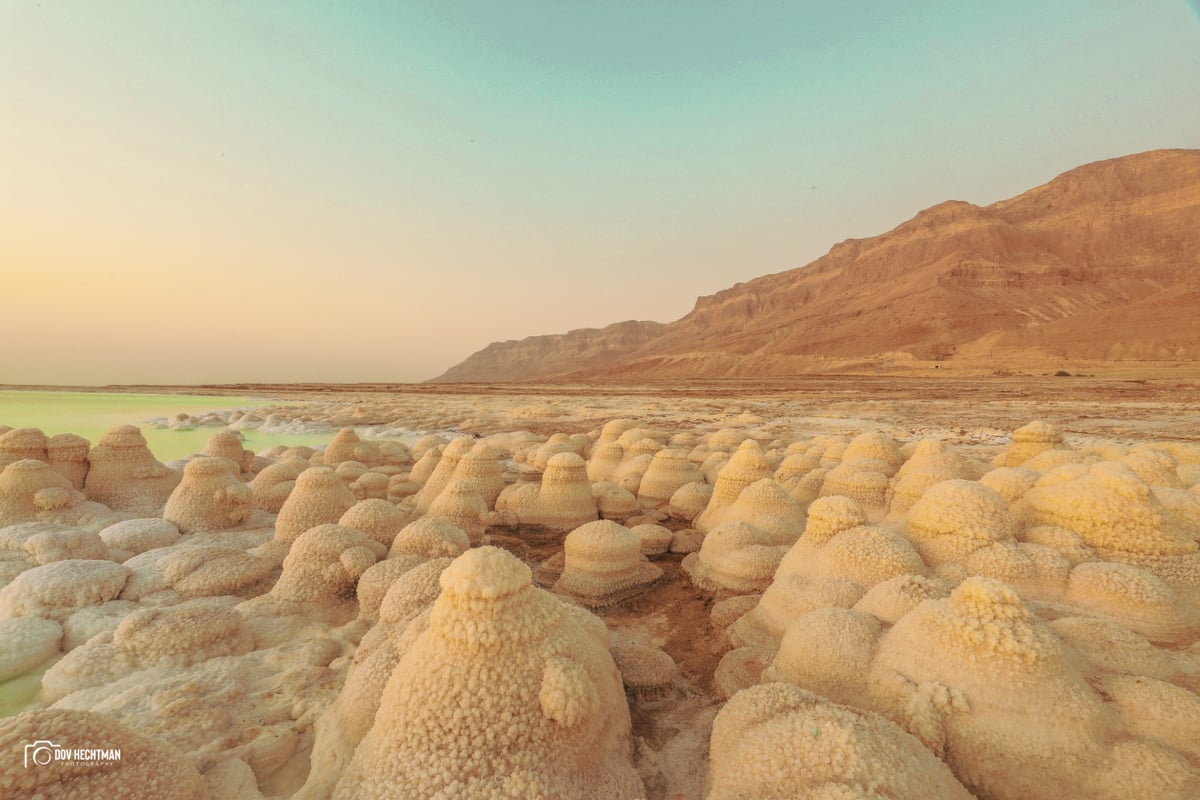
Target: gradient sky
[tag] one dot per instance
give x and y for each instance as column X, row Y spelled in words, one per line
column 370, row 191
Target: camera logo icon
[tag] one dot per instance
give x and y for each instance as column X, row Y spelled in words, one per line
column 40, row 753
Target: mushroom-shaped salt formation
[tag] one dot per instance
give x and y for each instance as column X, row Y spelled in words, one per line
column 18, row 444
column 318, row 498
column 378, row 519
column 346, row 721
column 875, row 447
column 443, row 473
column 647, row 672
column 320, row 573
column 766, row 506
column 614, row 502
column 30, row 488
column 68, row 455
column 228, row 444
column 746, row 466
column 537, row 703
column 778, row 741
column 690, row 500
column 481, row 467
column 604, row 565
column 430, row 537
column 209, row 498
column 668, row 471
column 932, row 462
column 655, row 539
column 563, row 500
column 425, row 466
column 863, row 480
column 970, row 675
column 126, row 764
column 955, row 518
column 272, row 485
column 735, row 557
column 459, row 504
column 605, row 460
column 125, row 476
column 347, row 446
column 1027, row 442
column 1011, row 483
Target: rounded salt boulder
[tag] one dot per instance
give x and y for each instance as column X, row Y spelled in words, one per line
column 59, row 589
column 139, row 535
column 25, row 643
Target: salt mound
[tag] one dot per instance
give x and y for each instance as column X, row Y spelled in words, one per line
column 536, row 703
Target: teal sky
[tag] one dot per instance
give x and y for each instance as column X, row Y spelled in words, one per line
column 220, row 191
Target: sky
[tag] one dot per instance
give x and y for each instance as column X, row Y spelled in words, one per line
column 216, row 191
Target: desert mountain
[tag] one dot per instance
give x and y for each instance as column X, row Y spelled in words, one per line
column 1101, row 263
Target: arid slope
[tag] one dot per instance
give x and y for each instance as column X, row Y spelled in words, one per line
column 1101, row 263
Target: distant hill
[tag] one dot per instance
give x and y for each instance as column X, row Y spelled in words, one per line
column 1101, row 263
column 553, row 354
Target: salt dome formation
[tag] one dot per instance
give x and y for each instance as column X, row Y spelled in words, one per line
column 525, row 673
column 604, row 597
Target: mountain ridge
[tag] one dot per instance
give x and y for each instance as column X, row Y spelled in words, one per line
column 1102, row 262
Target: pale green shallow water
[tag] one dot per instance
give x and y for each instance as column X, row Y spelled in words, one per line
column 91, row 414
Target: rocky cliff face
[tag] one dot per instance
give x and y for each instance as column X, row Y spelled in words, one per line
column 1103, row 262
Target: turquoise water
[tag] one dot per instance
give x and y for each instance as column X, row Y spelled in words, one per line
column 91, row 414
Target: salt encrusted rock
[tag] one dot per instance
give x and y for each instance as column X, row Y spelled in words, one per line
column 955, row 518
column 690, row 500
column 539, row 706
column 605, row 459
column 25, row 643
column 319, row 575
column 668, row 471
column 378, row 519
column 480, row 466
column 56, row 590
column 614, row 502
column 766, row 506
column 563, row 500
column 425, row 466
column 430, row 537
column 865, row 481
column 777, row 741
column 209, row 498
column 371, row 485
column 68, row 456
column 347, row 446
column 735, row 557
column 932, row 462
column 827, row 651
column 18, row 444
column 655, row 539
column 1135, row 598
column 422, row 446
column 228, row 445
column 459, row 504
column 38, row 543
column 319, row 498
column 891, row 599
column 604, row 565
column 29, row 489
column 452, row 454
column 147, row 769
column 746, row 466
column 374, row 584
column 1027, row 442
column 875, row 447
column 647, row 672
column 272, row 485
column 348, row 719
column 124, row 474
column 1109, row 507
column 93, row 620
column 135, row 536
